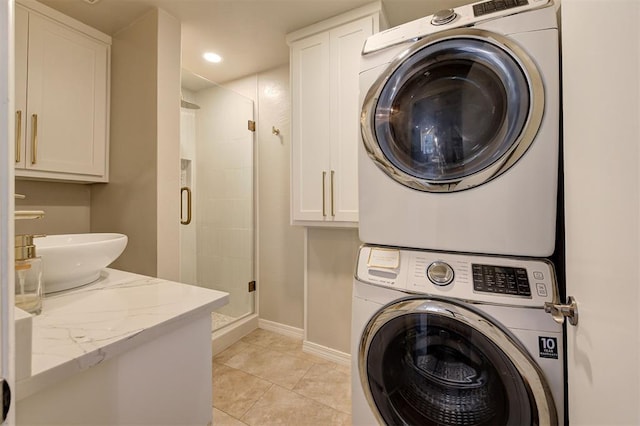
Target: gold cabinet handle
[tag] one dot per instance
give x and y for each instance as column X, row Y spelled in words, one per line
column 34, row 138
column 188, row 191
column 18, row 135
column 333, row 212
column 324, row 204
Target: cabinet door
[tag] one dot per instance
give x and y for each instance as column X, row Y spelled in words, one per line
column 66, row 100
column 346, row 49
column 21, row 43
column 310, row 128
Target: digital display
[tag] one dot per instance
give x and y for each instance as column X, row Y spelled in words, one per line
column 496, row 5
column 501, row 280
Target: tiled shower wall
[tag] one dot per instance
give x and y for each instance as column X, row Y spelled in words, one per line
column 224, row 196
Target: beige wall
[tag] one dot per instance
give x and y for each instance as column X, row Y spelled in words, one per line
column 280, row 245
column 130, row 194
column 66, row 207
column 144, row 158
column 331, row 257
column 168, row 123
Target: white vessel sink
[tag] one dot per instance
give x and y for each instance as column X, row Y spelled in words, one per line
column 73, row 260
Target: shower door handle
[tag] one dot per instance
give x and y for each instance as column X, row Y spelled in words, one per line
column 188, row 191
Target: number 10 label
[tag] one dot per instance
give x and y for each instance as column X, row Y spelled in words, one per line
column 548, row 347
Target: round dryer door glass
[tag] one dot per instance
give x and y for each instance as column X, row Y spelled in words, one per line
column 428, row 367
column 450, row 114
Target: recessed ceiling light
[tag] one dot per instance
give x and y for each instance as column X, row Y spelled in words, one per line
column 212, row 57
column 91, row 1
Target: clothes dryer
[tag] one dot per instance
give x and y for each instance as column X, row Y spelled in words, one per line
column 460, row 131
column 451, row 339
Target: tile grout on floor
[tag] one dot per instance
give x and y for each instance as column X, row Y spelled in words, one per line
column 323, row 396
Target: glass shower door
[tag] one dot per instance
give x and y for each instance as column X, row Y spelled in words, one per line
column 217, row 168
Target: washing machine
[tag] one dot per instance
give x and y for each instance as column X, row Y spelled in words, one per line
column 444, row 338
column 460, row 131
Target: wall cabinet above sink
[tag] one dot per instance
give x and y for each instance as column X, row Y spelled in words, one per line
column 62, row 96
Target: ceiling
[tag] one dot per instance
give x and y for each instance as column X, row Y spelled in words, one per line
column 248, row 34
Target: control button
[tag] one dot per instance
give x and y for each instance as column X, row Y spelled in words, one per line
column 542, row 289
column 440, row 273
column 538, row 275
column 442, row 17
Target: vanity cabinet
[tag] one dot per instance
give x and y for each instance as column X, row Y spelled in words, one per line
column 325, row 66
column 62, row 96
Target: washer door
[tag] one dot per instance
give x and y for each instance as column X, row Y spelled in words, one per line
column 454, row 111
column 439, row 362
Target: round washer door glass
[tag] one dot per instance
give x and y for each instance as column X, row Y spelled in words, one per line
column 450, row 110
column 424, row 366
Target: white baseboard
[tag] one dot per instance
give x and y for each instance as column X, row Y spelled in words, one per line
column 276, row 327
column 227, row 336
column 307, row 346
column 326, row 353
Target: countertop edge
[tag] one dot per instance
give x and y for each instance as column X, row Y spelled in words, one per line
column 133, row 339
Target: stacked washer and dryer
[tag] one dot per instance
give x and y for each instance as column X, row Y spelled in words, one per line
column 458, row 174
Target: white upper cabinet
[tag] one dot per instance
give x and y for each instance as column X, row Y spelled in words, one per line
column 325, row 66
column 62, row 97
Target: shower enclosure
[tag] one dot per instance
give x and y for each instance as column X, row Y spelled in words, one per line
column 217, row 195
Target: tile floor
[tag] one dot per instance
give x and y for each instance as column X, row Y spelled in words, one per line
column 265, row 379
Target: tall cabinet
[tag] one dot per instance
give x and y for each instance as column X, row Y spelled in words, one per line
column 325, row 66
column 62, row 96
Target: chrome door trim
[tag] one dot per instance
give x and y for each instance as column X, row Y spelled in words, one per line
column 504, row 340
column 515, row 152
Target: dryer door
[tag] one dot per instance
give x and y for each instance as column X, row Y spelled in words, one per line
column 454, row 111
column 437, row 362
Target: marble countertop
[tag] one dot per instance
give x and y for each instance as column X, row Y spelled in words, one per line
column 81, row 328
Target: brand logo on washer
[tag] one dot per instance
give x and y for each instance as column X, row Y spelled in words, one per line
column 548, row 347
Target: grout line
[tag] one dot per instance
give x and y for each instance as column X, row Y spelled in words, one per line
column 256, row 401
column 302, row 377
column 232, row 416
column 301, row 355
column 272, row 384
column 315, row 400
column 321, row 403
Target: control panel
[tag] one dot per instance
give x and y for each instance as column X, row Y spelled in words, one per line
column 500, row 280
column 462, row 16
column 492, row 279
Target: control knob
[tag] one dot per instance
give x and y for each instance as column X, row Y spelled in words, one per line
column 443, row 17
column 440, row 273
